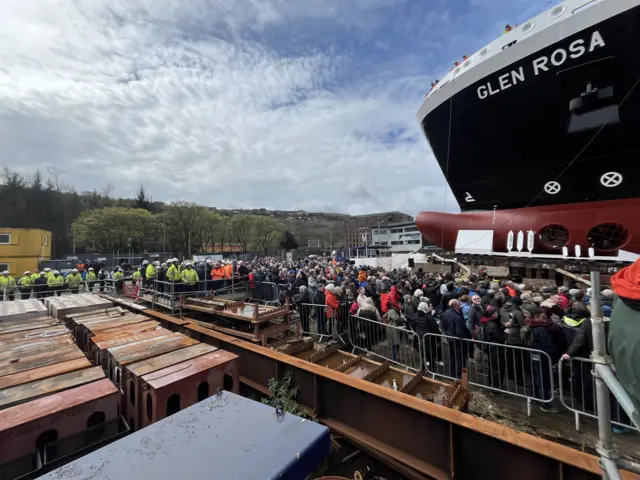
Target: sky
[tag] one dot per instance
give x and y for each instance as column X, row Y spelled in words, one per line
column 278, row 104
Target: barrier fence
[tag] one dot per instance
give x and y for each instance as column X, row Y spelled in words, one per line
column 395, row 344
column 266, row 292
column 577, row 392
column 43, row 291
column 510, row 369
column 322, row 320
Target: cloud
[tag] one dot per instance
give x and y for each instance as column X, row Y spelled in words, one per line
column 245, row 103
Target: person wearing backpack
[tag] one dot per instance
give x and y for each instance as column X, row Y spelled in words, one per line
column 542, row 333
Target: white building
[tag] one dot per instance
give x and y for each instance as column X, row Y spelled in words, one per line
column 400, row 237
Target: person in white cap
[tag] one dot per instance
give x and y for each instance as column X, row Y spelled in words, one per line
column 55, row 283
column 26, row 285
column 91, row 278
column 189, row 277
column 48, row 273
column 74, row 279
column 7, row 285
column 174, row 275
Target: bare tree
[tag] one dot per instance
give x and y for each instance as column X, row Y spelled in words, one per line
column 183, row 219
column 266, row 231
column 241, row 229
column 55, row 175
column 107, row 190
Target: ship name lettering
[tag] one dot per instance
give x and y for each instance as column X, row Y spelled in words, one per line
column 559, row 56
column 576, row 49
column 506, row 80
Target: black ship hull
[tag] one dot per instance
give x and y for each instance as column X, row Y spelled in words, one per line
column 557, row 126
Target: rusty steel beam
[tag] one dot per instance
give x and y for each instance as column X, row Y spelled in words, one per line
column 419, row 438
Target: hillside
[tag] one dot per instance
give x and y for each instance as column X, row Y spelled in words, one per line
column 305, row 226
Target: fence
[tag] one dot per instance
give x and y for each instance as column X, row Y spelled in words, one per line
column 577, row 392
column 519, row 371
column 398, row 345
column 323, row 321
column 43, row 291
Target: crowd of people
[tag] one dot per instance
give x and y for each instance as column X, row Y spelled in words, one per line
column 553, row 319
column 340, row 297
column 48, row 282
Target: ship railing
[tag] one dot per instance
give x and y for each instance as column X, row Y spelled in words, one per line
column 396, row 344
column 509, row 369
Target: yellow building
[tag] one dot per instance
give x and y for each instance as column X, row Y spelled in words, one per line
column 22, row 249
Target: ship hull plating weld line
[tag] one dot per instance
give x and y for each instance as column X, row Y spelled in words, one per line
column 418, row 438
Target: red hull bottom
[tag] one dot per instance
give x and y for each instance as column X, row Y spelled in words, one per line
column 581, row 220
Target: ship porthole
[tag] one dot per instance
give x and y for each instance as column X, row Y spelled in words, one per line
column 484, row 51
column 554, row 236
column 467, row 63
column 558, row 11
column 527, row 27
column 608, row 236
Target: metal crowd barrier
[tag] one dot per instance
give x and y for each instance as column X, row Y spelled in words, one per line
column 322, row 321
column 519, row 371
column 22, row 293
column 395, row 344
column 273, row 293
column 266, row 292
column 577, row 391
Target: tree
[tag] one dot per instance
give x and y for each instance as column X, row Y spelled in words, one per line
column 182, row 221
column 115, row 228
column 209, row 229
column 266, row 231
column 288, row 241
column 241, row 227
column 142, row 200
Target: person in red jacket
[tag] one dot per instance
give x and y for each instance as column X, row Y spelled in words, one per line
column 384, row 302
column 394, row 298
column 331, row 300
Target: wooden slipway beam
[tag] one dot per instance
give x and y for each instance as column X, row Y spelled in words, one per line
column 421, row 438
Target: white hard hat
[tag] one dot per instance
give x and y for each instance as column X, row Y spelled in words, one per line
column 47, row 269
column 6, row 272
column 156, row 262
column 175, row 259
column 91, row 269
column 27, row 272
column 119, row 269
column 75, row 270
column 43, row 272
column 56, row 272
column 145, row 262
